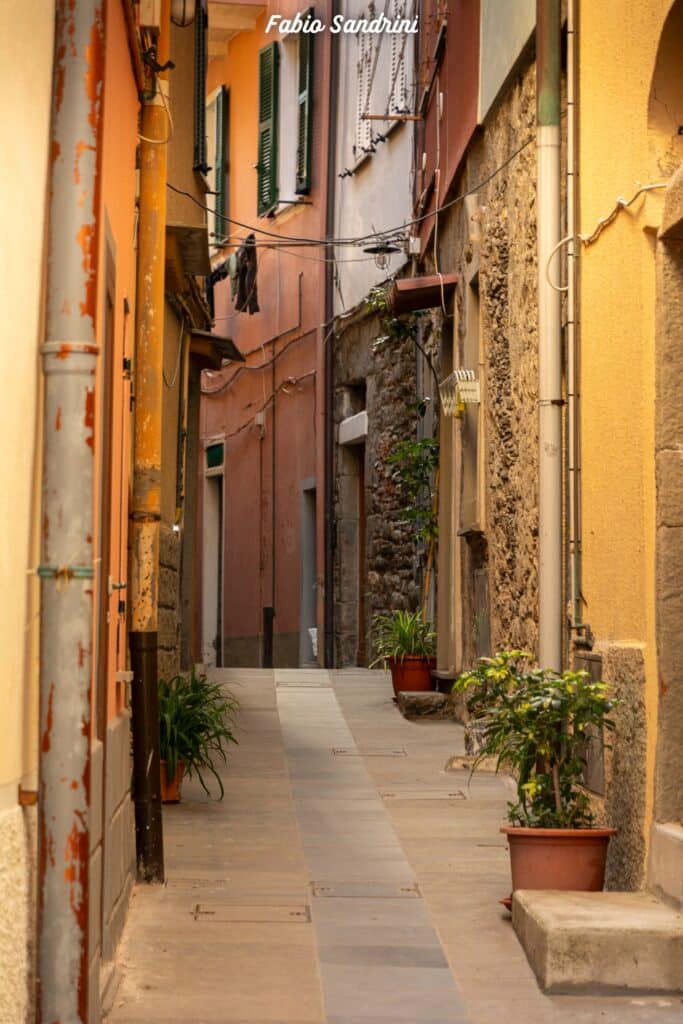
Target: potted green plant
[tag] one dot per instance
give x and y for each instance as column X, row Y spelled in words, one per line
column 537, row 723
column 196, row 722
column 406, row 644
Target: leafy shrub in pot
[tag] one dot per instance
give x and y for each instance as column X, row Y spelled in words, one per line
column 406, row 644
column 537, row 723
column 196, row 723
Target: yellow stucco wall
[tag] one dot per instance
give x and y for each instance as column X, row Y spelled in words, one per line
column 26, row 36
column 618, row 43
column 26, row 40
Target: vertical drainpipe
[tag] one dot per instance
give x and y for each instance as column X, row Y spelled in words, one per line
column 328, row 353
column 146, row 505
column 573, row 354
column 69, row 357
column 549, row 336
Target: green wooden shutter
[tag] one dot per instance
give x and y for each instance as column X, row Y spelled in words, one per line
column 305, row 119
column 200, row 61
column 221, row 228
column 268, row 66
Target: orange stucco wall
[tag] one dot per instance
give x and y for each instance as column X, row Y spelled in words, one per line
column 291, row 287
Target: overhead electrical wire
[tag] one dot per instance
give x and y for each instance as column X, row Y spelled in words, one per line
column 290, row 240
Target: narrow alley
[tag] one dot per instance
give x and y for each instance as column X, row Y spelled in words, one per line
column 346, row 878
column 342, row 475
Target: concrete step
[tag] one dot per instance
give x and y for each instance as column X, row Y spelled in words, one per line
column 600, row 941
column 666, row 863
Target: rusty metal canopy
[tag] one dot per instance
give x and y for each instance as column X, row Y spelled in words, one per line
column 214, row 347
column 189, row 245
column 411, row 293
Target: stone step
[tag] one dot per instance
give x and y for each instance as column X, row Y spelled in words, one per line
column 666, row 863
column 424, row 703
column 598, row 941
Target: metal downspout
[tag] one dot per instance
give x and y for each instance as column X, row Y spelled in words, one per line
column 549, row 337
column 328, row 352
column 573, row 359
column 146, row 505
column 69, row 357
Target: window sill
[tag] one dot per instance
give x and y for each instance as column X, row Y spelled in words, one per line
column 286, row 211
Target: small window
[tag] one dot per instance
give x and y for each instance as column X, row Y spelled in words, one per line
column 214, row 455
column 267, row 130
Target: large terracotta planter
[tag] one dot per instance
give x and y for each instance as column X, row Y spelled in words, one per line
column 171, row 788
column 558, row 858
column 411, row 673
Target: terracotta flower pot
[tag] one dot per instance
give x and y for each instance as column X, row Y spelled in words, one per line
column 170, row 788
column 558, row 858
column 411, row 673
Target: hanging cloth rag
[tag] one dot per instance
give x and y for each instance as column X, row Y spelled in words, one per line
column 219, row 273
column 247, row 296
column 232, row 272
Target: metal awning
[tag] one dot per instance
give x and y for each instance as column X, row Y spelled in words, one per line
column 214, row 347
column 410, row 293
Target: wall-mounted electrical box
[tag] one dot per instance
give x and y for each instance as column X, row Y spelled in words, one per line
column 149, row 14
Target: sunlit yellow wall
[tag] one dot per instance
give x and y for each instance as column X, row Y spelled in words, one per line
column 26, row 34
column 618, row 41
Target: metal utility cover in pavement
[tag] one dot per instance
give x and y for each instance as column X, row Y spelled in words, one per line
column 291, row 684
column 196, row 883
column 366, row 890
column 422, row 794
column 227, row 913
column 369, row 752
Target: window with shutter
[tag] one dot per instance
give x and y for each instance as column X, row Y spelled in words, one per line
column 305, row 119
column 267, row 129
column 221, row 162
column 363, row 138
column 398, row 88
column 200, row 62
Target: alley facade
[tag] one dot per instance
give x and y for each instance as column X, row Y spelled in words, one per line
column 305, row 328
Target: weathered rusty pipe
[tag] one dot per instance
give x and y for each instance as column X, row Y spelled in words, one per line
column 66, row 571
column 146, row 504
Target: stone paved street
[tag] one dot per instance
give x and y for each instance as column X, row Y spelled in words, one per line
column 346, row 878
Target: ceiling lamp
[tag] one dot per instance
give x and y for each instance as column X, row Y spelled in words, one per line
column 381, row 250
column 183, row 12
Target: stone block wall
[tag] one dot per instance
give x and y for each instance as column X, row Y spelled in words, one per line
column 380, row 377
column 624, row 802
column 17, row 912
column 169, row 602
column 499, row 565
